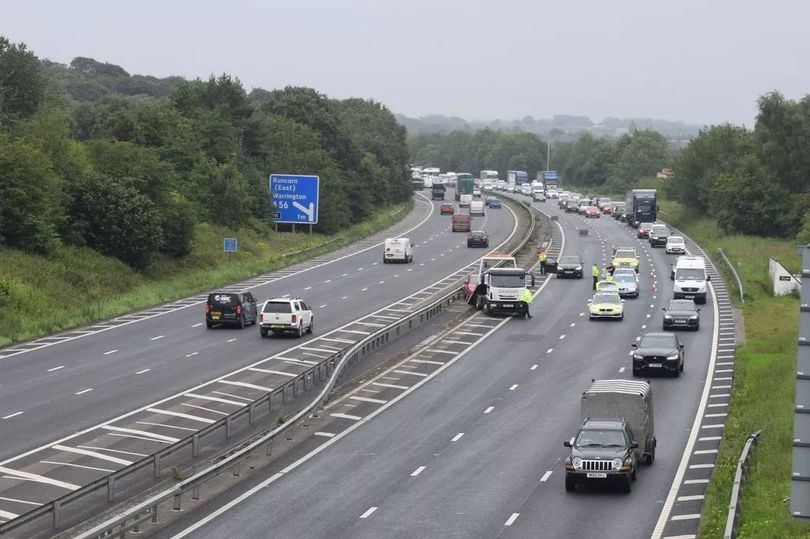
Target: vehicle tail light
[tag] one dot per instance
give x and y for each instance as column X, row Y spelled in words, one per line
column 261, row 317
column 238, row 310
column 294, row 319
column 207, row 309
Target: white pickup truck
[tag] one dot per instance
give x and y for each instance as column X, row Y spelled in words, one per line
column 285, row 315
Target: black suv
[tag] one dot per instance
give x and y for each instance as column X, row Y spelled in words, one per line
column 658, row 352
column 230, row 308
column 604, row 451
column 658, row 235
column 570, row 266
column 681, row 313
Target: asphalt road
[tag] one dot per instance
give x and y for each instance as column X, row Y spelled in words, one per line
column 54, row 391
column 477, row 451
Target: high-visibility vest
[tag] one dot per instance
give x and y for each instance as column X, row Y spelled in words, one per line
column 526, row 296
column 609, row 277
column 542, row 257
column 595, row 270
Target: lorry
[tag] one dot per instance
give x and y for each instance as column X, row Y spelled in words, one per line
column 517, row 177
column 437, row 191
column 461, row 222
column 489, row 178
column 497, row 284
column 617, row 433
column 465, row 185
column 641, row 207
column 538, row 191
column 550, row 180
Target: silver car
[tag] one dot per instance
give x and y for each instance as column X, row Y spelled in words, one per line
column 627, row 279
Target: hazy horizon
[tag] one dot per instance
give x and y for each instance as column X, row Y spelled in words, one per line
column 695, row 62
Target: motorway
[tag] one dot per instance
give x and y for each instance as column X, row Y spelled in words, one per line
column 477, row 450
column 47, row 394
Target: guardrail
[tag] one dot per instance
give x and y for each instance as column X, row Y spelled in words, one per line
column 734, row 271
column 83, row 503
column 733, row 519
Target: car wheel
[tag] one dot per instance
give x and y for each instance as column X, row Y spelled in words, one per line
column 299, row 332
column 570, row 484
column 208, row 324
column 681, row 367
column 242, row 322
column 263, row 332
column 311, row 326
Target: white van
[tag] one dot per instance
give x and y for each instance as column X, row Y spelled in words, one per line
column 477, row 207
column 691, row 278
column 398, row 250
column 465, row 200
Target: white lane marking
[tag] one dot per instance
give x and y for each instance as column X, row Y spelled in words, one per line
column 562, row 336
column 581, row 314
column 344, row 275
column 649, row 316
column 545, row 476
column 411, row 373
column 364, row 289
column 693, row 516
column 112, row 450
column 368, row 399
column 56, row 368
column 344, row 297
column 322, row 306
column 643, row 326
column 449, row 341
column 211, row 410
column 71, row 465
column 368, row 512
column 108, row 352
column 327, row 281
column 359, row 332
column 165, row 426
column 237, row 397
column 15, row 414
column 513, row 387
column 143, row 371
column 573, row 324
column 157, row 338
column 488, row 410
column 8, row 516
column 392, row 386
column 25, row 502
column 271, row 371
column 16, row 474
column 427, row 361
column 308, row 288
column 192, row 354
column 457, row 437
column 533, row 367
column 144, row 433
column 214, row 399
column 638, row 338
column 324, row 434
column 417, row 471
column 346, row 416
column 231, row 340
column 181, row 415
column 94, row 454
column 297, row 361
column 83, row 391
column 437, row 351
column 247, row 385
column 550, row 350
column 621, row 369
column 198, row 324
column 512, row 519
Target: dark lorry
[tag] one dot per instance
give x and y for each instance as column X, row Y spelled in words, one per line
column 437, row 191
column 641, row 207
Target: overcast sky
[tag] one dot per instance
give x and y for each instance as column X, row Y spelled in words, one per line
column 700, row 61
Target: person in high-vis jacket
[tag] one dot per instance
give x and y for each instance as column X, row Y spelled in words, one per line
column 542, row 259
column 595, row 273
column 525, row 297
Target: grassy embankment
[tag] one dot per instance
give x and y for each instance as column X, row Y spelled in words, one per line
column 764, row 379
column 76, row 286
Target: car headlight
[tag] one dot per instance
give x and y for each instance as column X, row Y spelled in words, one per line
column 578, row 268
column 577, row 463
column 693, row 317
column 667, row 317
column 636, row 355
column 673, row 355
column 617, row 463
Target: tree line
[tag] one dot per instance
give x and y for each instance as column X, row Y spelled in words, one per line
column 130, row 165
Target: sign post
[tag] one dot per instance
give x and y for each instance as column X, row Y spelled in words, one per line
column 295, row 198
column 230, row 245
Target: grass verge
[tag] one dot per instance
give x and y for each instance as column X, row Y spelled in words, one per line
column 76, row 286
column 764, row 380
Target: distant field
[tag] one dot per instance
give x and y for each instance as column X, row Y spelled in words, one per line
column 76, row 286
column 764, row 379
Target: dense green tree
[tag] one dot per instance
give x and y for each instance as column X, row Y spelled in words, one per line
column 22, row 85
column 641, row 154
column 783, row 140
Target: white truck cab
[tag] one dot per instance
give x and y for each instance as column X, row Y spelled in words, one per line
column 398, row 250
column 691, row 278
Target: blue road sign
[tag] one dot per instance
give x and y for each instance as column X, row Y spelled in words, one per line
column 230, row 245
column 295, row 198
column 550, row 175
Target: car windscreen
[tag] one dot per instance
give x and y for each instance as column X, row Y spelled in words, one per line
column 644, row 206
column 660, row 231
column 674, row 239
column 624, row 278
column 606, row 298
column 681, row 305
column 570, row 260
column 223, row 300
column 690, row 274
column 600, row 438
column 277, row 307
column 625, row 254
column 657, row 341
column 507, row 281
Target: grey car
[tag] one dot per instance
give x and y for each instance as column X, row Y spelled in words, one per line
column 627, row 279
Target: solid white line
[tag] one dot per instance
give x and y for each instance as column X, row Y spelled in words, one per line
column 181, row 415
column 346, row 416
column 8, row 516
column 457, row 437
column 690, row 498
column 700, row 466
column 270, row 371
column 165, row 426
column 322, row 306
column 25, row 502
column 237, row 397
column 367, row 514
column 393, row 386
column 143, row 371
column 411, row 373
column 83, row 391
column 38, row 478
column 71, row 465
column 198, row 324
column 345, row 341
column 15, row 414
column 448, row 341
column 427, row 361
column 217, row 412
column 367, row 399
column 245, row 384
column 686, row 517
column 437, row 351
column 144, row 433
column 313, row 349
column 488, row 410
column 56, row 368
column 156, row 338
column 706, row 452
column 134, row 437
column 112, row 450
column 324, row 434
column 107, row 353
column 417, row 471
column 696, row 482
column 94, row 454
column 545, row 476
column 512, row 519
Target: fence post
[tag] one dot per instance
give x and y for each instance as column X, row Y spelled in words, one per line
column 110, row 488
column 156, row 461
column 57, row 509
